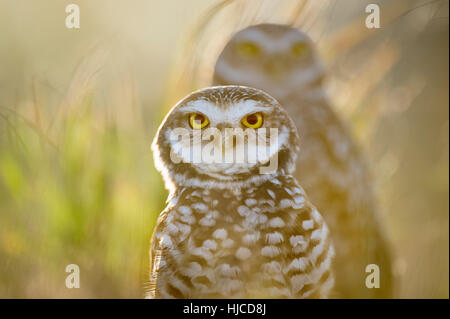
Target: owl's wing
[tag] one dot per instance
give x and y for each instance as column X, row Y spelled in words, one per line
column 298, row 246
column 167, row 256
column 159, row 261
column 309, row 263
column 333, row 170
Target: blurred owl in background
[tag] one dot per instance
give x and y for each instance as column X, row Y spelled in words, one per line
column 282, row 61
column 229, row 231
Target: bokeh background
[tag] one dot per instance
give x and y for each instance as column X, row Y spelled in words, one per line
column 79, row 108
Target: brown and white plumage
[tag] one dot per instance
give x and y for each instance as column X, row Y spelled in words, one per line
column 282, row 61
column 236, row 233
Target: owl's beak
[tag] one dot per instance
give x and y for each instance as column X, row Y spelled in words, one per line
column 222, row 127
column 275, row 67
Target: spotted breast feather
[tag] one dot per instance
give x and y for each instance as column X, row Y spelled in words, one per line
column 267, row 242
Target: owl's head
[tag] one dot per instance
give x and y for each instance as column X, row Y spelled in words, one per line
column 225, row 136
column 272, row 57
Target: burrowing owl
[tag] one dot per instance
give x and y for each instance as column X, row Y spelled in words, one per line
column 283, row 62
column 229, row 230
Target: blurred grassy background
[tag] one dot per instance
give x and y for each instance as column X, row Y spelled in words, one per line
column 79, row 108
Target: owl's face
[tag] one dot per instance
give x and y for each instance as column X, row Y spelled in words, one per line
column 275, row 58
column 224, row 135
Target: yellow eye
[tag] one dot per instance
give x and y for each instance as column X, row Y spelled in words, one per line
column 248, row 49
column 198, row 121
column 299, row 49
column 254, row 120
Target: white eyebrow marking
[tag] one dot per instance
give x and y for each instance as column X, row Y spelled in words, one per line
column 252, row 35
column 270, row 44
column 231, row 114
